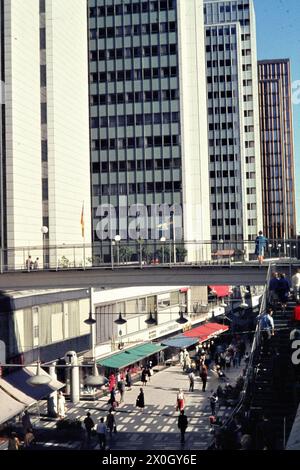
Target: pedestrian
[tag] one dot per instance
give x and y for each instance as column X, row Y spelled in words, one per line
column 26, row 423
column 61, row 405
column 112, row 400
column 88, row 424
column 144, row 377
column 13, row 442
column 36, row 264
column 110, row 422
column 192, row 381
column 273, row 289
column 180, row 400
column 29, row 438
column 128, row 379
column 29, row 263
column 182, row 425
column 121, row 388
column 140, row 401
column 266, row 325
column 181, row 358
column 111, row 381
column 260, row 247
column 296, row 285
column 246, row 358
column 213, row 402
column 101, row 432
column 203, row 375
column 283, row 289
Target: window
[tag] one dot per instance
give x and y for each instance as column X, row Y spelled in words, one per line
column 43, row 113
column 42, row 38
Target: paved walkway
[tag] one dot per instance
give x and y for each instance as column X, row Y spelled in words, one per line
column 154, row 428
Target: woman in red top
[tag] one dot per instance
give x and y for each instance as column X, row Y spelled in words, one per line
column 180, row 401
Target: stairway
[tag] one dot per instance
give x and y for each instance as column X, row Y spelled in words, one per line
column 274, row 380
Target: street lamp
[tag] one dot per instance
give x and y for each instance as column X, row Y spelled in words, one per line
column 163, row 240
column 120, row 320
column 44, row 231
column 279, row 246
column 95, row 379
column 181, row 320
column 151, row 320
column 39, row 378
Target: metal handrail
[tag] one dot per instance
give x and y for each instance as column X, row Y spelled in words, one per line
column 255, row 344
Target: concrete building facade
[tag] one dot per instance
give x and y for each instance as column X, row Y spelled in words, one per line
column 233, row 120
column 277, row 149
column 45, row 127
column 148, row 128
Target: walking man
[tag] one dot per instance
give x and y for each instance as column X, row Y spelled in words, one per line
column 101, row 432
column 203, row 375
column 192, row 381
column 213, row 402
column 182, row 425
column 88, row 424
column 260, row 247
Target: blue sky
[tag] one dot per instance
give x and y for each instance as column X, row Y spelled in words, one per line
column 278, row 36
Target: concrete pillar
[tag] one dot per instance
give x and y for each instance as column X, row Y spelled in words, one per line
column 75, row 386
column 52, row 399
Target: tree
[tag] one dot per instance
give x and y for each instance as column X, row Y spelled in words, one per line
column 125, row 254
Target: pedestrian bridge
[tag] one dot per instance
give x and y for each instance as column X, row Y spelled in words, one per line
column 152, row 275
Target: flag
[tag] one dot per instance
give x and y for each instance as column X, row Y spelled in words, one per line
column 82, row 220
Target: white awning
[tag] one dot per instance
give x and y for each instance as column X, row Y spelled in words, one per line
column 9, row 408
column 16, row 393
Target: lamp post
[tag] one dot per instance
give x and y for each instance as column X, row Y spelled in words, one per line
column 279, row 246
column 117, row 241
column 44, row 231
column 163, row 240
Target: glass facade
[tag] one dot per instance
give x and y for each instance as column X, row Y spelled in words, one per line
column 276, row 132
column 134, row 103
column 231, row 87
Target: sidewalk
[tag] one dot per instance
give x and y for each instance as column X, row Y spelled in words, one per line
column 154, row 428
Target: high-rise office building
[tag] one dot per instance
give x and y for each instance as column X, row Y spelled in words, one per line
column 233, row 120
column 148, row 118
column 45, row 163
column 276, row 134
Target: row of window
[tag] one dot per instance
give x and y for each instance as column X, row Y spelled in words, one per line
column 135, row 142
column 137, row 97
column 226, row 206
column 224, row 190
column 221, row 110
column 224, row 158
column 220, row 78
column 220, row 222
column 234, row 7
column 217, row 127
column 220, row 63
column 221, row 47
column 133, row 30
column 226, row 31
column 136, row 74
column 134, row 120
column 220, row 94
column 128, row 8
column 225, row 142
column 136, row 165
column 133, row 52
column 223, row 174
column 136, row 188
column 132, row 74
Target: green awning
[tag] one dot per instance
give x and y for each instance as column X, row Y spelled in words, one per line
column 130, row 356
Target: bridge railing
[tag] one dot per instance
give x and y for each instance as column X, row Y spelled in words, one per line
column 118, row 253
column 250, row 372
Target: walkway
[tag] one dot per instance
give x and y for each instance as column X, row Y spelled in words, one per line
column 156, row 427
